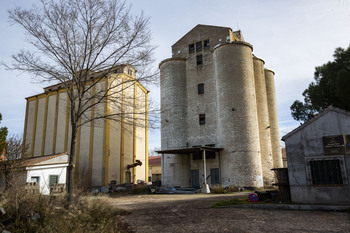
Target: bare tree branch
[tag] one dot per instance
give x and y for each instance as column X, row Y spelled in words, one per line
column 78, row 44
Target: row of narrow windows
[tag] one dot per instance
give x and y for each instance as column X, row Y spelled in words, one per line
column 198, row 46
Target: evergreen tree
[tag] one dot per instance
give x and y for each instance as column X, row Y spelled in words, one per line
column 331, row 87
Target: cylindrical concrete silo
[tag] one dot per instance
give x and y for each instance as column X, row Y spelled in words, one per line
column 274, row 129
column 173, row 119
column 173, row 102
column 238, row 131
column 263, row 121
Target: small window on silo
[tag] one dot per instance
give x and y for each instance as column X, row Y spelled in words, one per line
column 207, row 44
column 199, row 60
column 191, row 48
column 201, row 88
column 199, row 46
column 201, row 119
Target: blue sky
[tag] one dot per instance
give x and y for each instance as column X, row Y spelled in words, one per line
column 291, row 36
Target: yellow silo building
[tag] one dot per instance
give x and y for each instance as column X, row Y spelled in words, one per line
column 105, row 147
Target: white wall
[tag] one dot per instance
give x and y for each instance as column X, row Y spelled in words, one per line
column 44, row 172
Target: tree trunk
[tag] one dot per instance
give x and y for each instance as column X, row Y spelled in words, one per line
column 71, row 167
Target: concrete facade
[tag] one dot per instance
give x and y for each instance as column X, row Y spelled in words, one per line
column 306, row 147
column 214, row 94
column 104, row 147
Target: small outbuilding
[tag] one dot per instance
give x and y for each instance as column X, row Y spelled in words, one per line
column 155, row 168
column 44, row 173
column 318, row 154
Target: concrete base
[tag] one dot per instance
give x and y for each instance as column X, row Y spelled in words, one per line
column 205, row 188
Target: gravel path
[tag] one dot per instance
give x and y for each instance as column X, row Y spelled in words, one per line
column 193, row 213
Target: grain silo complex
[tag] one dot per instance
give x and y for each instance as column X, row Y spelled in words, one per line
column 219, row 117
column 106, row 148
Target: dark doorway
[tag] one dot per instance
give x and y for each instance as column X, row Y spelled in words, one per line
column 195, row 178
column 214, row 174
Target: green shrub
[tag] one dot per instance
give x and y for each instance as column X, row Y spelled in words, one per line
column 231, row 202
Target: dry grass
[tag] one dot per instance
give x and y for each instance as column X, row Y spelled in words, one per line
column 38, row 213
column 217, row 189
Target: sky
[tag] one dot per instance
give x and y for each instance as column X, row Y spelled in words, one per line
column 293, row 37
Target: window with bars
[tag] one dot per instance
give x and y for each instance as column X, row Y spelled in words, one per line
column 326, row 171
column 191, row 48
column 199, row 46
column 53, row 179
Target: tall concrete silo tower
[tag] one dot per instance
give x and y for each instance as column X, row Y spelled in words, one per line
column 215, row 121
column 272, row 107
column 264, row 121
column 238, row 130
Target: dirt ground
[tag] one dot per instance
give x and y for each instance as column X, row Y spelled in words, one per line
column 193, row 213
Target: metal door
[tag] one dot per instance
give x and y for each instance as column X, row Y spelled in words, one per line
column 195, row 178
column 214, row 174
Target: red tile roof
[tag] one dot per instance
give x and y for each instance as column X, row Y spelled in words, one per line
column 154, row 160
column 34, row 160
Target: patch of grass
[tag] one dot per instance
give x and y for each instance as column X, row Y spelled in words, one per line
column 237, row 201
column 244, row 200
column 38, row 213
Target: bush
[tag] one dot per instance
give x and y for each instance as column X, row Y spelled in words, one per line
column 139, row 189
column 218, row 189
column 37, row 213
column 232, row 189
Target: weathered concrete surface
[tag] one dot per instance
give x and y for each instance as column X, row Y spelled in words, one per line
column 192, row 213
column 305, row 144
column 224, row 68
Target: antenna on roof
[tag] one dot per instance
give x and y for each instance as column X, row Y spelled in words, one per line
column 237, row 26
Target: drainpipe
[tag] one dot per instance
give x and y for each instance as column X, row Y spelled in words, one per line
column 162, row 169
column 205, row 168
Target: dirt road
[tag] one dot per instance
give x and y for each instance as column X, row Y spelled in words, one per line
column 193, row 213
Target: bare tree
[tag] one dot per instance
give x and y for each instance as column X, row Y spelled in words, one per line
column 75, row 40
column 14, row 153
